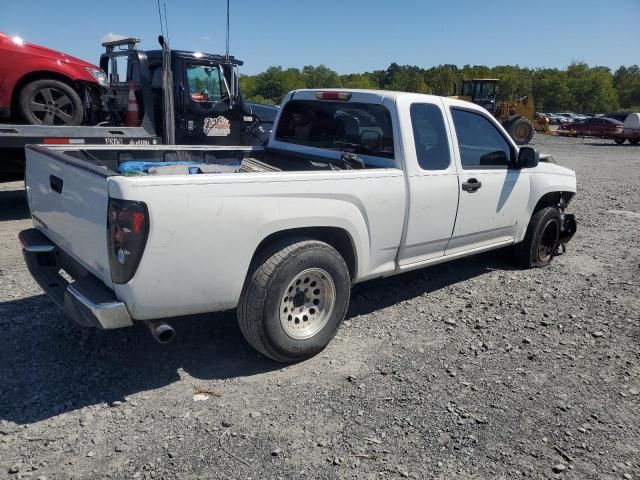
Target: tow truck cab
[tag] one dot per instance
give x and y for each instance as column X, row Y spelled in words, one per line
column 208, row 108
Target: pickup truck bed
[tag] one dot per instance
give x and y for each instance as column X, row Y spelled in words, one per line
column 218, row 217
column 353, row 185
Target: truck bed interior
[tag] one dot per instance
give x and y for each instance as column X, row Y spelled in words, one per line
column 213, row 160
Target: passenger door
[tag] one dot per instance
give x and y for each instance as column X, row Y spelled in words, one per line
column 432, row 184
column 493, row 195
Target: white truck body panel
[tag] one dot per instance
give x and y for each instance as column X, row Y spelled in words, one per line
column 204, row 229
column 432, row 194
column 199, row 262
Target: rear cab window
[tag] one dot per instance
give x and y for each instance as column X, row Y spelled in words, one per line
column 430, row 137
column 362, row 128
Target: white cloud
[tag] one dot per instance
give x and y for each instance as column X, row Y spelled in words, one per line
column 112, row 37
column 205, row 37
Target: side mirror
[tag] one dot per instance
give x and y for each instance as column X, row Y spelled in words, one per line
column 527, row 158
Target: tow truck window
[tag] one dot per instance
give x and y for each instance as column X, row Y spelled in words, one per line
column 121, row 71
column 205, row 84
column 359, row 127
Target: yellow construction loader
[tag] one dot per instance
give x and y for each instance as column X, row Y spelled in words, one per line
column 518, row 117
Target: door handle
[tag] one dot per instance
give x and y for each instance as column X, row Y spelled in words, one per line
column 55, row 183
column 471, row 185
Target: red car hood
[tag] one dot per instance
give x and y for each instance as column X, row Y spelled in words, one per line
column 31, row 49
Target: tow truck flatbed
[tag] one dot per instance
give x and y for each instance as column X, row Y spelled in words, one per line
column 18, row 136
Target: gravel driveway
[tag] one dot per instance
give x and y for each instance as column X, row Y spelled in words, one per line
column 472, row 369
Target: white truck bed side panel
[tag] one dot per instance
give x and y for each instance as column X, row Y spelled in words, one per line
column 204, row 230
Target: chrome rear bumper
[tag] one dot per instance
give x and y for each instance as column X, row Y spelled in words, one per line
column 86, row 300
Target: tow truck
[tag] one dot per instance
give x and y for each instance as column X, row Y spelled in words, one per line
column 184, row 97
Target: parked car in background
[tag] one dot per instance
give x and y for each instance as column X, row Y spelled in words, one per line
column 594, row 127
column 631, row 130
column 555, row 119
column 571, row 117
column 620, row 116
column 44, row 87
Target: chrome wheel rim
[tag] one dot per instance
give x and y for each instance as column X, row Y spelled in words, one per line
column 51, row 106
column 307, row 303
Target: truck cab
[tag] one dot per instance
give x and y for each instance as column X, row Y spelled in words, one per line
column 208, row 108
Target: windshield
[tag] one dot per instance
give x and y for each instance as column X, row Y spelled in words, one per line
column 485, row 90
column 205, row 83
column 357, row 127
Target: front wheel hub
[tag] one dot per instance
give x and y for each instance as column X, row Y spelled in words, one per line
column 548, row 241
column 307, row 303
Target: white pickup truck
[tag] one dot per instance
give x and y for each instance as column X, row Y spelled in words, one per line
column 352, row 185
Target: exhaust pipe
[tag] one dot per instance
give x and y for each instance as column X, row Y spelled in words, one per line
column 161, row 331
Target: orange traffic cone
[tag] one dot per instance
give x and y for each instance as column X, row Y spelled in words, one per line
column 133, row 116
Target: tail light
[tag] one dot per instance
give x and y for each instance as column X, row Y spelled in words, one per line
column 343, row 96
column 127, row 232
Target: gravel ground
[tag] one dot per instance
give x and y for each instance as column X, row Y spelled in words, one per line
column 474, row 369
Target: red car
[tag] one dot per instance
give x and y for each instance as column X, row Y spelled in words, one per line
column 593, row 127
column 42, row 86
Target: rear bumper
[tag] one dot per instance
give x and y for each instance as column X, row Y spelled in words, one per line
column 85, row 299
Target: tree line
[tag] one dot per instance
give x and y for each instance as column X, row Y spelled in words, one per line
column 578, row 88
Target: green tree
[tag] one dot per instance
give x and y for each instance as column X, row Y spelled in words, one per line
column 627, row 82
column 358, row 80
column 275, row 83
column 320, row 77
column 443, row 80
column 579, row 87
column 404, row 78
column 551, row 91
column 592, row 88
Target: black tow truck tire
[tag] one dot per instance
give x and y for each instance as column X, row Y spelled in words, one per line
column 541, row 239
column 282, row 287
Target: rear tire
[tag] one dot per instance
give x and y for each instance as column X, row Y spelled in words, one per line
column 541, row 240
column 619, row 141
column 634, row 141
column 51, row 103
column 521, row 131
column 294, row 299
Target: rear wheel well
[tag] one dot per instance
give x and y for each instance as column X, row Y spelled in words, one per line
column 334, row 236
column 33, row 76
column 554, row 199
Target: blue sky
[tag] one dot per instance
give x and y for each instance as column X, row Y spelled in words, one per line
column 348, row 35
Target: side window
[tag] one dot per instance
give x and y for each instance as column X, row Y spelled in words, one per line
column 481, row 144
column 155, row 72
column 430, row 137
column 205, row 84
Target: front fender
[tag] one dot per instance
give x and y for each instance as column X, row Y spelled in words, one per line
column 74, row 73
column 547, row 178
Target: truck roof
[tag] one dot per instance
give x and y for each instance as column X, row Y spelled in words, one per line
column 196, row 55
column 378, row 96
column 379, row 93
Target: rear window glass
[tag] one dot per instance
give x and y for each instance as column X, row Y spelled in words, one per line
column 360, row 127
